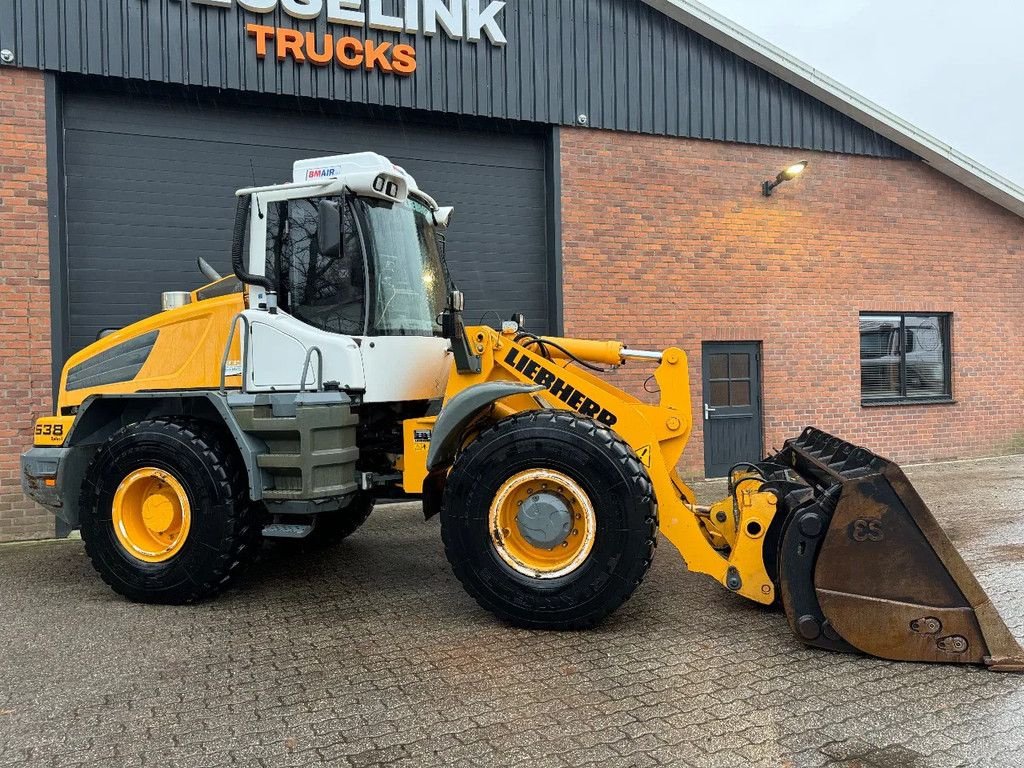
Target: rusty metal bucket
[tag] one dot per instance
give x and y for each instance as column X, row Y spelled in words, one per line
column 862, row 565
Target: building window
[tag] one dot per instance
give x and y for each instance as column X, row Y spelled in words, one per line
column 905, row 358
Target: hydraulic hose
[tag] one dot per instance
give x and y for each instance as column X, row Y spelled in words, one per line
column 238, row 247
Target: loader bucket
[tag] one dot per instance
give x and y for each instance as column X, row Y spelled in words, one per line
column 862, row 565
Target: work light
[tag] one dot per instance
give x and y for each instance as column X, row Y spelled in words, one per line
column 787, row 174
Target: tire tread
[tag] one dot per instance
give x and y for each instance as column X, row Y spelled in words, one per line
column 635, row 473
column 242, row 531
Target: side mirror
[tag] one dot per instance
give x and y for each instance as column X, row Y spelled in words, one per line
column 443, row 217
column 329, row 229
column 456, row 301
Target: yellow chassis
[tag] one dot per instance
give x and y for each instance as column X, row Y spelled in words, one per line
column 725, row 541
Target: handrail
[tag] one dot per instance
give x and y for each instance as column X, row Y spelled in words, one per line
column 319, row 370
column 244, row 348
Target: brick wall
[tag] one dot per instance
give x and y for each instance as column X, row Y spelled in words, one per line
column 24, row 292
column 670, row 242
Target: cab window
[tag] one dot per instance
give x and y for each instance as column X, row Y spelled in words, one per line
column 328, row 293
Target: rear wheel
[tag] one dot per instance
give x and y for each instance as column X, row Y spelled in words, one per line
column 165, row 513
column 549, row 520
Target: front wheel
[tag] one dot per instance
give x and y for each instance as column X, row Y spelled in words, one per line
column 165, row 512
column 549, row 520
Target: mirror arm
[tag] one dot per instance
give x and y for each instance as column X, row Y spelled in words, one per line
column 238, row 247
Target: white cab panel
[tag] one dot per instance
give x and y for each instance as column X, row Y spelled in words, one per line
column 404, row 368
column 390, row 369
column 277, row 351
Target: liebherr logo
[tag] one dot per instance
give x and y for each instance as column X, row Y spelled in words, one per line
column 568, row 394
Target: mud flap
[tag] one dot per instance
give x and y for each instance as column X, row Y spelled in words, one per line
column 862, row 564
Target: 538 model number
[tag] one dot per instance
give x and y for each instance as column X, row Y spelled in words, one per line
column 50, row 430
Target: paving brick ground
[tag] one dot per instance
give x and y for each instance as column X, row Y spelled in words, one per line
column 373, row 655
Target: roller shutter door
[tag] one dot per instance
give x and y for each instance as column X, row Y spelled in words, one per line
column 150, row 186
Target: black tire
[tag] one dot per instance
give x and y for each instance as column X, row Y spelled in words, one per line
column 224, row 535
column 615, row 481
column 331, row 528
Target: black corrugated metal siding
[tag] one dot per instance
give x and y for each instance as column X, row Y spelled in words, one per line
column 620, row 62
column 151, row 181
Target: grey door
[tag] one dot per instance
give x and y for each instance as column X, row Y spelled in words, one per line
column 151, row 181
column 732, row 405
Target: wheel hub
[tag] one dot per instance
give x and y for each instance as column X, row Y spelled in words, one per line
column 542, row 524
column 151, row 515
column 158, row 512
column 545, row 520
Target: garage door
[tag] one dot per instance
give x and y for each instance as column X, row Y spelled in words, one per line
column 151, row 181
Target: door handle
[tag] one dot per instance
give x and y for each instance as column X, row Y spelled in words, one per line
column 708, row 411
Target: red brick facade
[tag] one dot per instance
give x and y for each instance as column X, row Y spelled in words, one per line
column 670, row 242
column 24, row 292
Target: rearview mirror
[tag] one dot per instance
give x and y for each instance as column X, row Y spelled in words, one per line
column 456, row 301
column 329, row 229
column 443, row 217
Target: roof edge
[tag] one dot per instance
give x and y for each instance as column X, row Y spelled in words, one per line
column 943, row 157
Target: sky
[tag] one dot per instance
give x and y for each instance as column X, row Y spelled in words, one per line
column 953, row 69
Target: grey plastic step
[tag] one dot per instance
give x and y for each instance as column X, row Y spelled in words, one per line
column 284, row 531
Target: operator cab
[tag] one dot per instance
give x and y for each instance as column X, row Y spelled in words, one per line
column 358, row 264
column 347, row 259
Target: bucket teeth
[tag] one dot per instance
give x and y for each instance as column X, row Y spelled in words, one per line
column 862, row 565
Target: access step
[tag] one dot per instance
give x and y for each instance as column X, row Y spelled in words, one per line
column 286, row 531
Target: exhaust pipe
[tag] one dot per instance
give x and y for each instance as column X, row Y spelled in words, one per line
column 174, row 299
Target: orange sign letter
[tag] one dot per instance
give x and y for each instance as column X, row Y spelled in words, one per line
column 290, row 41
column 317, row 57
column 405, row 59
column 376, row 54
column 262, row 34
column 346, row 44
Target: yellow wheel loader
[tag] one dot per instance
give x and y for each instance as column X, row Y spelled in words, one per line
column 333, row 369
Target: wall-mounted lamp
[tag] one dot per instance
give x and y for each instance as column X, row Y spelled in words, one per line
column 787, row 175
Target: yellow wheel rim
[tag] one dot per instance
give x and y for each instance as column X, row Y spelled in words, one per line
column 542, row 524
column 152, row 515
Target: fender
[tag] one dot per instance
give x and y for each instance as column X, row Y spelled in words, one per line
column 459, row 413
column 102, row 415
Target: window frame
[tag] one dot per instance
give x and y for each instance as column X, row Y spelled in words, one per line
column 283, row 276
column 946, row 329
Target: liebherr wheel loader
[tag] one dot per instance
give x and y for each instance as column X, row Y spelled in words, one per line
column 333, row 369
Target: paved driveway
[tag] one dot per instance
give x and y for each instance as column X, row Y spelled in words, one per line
column 373, row 655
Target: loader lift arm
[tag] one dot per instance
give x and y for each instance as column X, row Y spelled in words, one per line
column 658, row 434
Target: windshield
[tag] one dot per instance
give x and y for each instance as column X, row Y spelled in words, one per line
column 407, row 279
